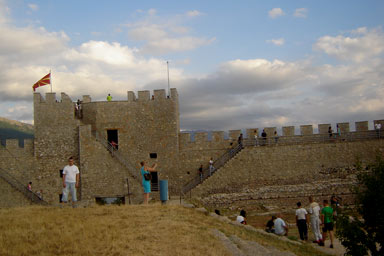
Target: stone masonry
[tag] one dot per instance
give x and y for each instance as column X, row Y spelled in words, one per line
column 148, row 129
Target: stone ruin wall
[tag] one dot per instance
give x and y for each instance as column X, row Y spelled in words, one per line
column 283, row 174
column 145, row 126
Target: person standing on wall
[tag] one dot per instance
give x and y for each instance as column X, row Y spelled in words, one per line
column 145, row 180
column 256, row 139
column 109, row 97
column 70, row 181
column 264, row 137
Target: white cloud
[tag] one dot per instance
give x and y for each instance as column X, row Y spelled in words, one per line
column 277, row 42
column 33, row 7
column 301, row 13
column 194, row 13
column 358, row 47
column 275, row 12
column 165, row 36
column 152, row 12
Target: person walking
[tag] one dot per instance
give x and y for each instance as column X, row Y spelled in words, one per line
column 314, row 211
column 146, row 182
column 327, row 223
column 240, row 140
column 201, row 173
column 211, row 167
column 109, row 97
column 71, row 177
column 301, row 222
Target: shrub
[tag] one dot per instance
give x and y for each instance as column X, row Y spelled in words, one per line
column 361, row 230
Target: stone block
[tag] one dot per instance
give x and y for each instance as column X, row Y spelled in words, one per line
column 361, row 126
column 234, row 134
column 288, row 130
column 143, row 95
column 344, row 127
column 306, row 129
column 323, row 128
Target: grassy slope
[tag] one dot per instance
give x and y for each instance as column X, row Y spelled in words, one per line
column 121, row 230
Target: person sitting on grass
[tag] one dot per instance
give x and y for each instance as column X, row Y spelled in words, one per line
column 242, row 217
column 270, row 225
column 281, row 228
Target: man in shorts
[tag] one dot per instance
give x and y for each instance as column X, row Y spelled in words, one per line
column 327, row 223
column 70, row 181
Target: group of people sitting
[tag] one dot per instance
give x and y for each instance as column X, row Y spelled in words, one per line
column 314, row 215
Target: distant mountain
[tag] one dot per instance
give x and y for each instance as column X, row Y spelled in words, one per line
column 11, row 129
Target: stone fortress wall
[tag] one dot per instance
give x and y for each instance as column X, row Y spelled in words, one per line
column 149, row 129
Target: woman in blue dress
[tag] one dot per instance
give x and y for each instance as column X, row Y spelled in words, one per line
column 146, row 183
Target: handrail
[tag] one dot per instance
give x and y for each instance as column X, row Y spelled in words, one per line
column 115, row 153
column 314, row 138
column 220, row 162
column 21, row 187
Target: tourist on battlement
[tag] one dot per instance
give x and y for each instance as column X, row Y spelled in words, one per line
column 264, row 137
column 301, row 222
column 338, row 131
column 109, row 97
column 276, row 136
column 330, row 131
column 256, row 139
column 240, row 140
column 314, row 211
column 146, row 181
column 270, row 224
column 281, row 227
column 201, row 173
column 70, row 181
column 211, row 167
column 378, row 128
column 242, row 218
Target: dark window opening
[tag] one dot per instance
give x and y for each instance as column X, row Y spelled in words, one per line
column 154, row 182
column 113, row 138
column 61, row 173
column 153, row 155
column 110, row 200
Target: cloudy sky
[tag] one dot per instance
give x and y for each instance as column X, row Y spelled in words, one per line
column 235, row 64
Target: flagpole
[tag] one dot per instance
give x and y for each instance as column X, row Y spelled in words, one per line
column 169, row 90
column 50, row 79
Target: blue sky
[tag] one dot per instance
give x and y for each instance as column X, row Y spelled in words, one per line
column 236, row 65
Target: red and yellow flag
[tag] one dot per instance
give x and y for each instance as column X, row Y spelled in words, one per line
column 43, row 81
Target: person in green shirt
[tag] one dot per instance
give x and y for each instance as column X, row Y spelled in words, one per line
column 327, row 223
column 109, row 97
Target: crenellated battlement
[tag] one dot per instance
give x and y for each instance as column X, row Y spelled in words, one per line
column 12, row 145
column 50, row 98
column 304, row 130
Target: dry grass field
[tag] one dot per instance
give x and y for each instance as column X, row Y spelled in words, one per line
column 121, row 230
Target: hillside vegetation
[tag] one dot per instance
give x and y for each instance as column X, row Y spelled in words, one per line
column 11, row 129
column 123, row 230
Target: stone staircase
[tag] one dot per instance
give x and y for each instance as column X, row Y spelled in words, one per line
column 116, row 154
column 207, row 173
column 11, row 180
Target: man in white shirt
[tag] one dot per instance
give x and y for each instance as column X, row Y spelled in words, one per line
column 314, row 211
column 70, row 181
column 301, row 222
column 281, row 228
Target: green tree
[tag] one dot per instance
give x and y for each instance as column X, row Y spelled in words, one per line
column 361, row 230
